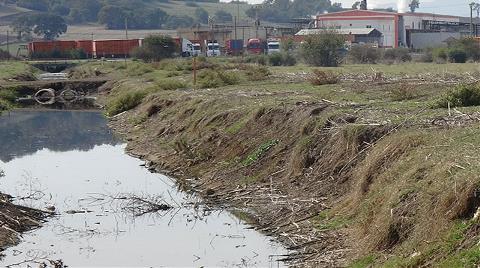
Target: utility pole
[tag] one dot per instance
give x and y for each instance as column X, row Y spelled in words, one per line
column 93, row 52
column 126, row 40
column 8, row 45
column 235, row 26
column 473, row 7
column 126, row 28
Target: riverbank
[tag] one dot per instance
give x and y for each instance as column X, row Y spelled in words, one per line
column 16, row 220
column 360, row 172
column 365, row 170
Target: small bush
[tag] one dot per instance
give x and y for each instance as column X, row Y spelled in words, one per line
column 397, row 55
column 258, row 59
column 124, row 102
column 4, row 55
column 323, row 49
column 364, row 54
column 155, row 48
column 461, row 96
column 289, row 60
column 258, row 153
column 282, row 59
column 217, row 78
column 319, row 77
column 427, row 56
column 257, row 73
column 9, row 95
column 457, row 55
column 275, row 59
column 171, row 85
column 440, row 55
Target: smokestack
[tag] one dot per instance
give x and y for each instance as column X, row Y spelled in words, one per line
column 402, row 6
column 363, row 5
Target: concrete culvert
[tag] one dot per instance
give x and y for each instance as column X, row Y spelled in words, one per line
column 45, row 96
column 68, row 95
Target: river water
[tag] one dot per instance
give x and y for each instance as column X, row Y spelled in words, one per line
column 71, row 161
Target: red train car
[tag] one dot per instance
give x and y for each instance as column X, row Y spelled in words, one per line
column 39, row 47
column 115, row 48
column 86, row 46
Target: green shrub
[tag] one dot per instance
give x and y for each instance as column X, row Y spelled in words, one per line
column 258, row 59
column 281, row 59
column 364, row 54
column 440, row 54
column 289, row 60
column 217, row 78
column 397, row 55
column 170, row 84
column 258, row 153
column 257, row 73
column 323, row 49
column 9, row 95
column 124, row 102
column 457, row 55
column 275, row 59
column 155, row 48
column 461, row 96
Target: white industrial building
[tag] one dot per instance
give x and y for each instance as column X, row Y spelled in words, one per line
column 416, row 30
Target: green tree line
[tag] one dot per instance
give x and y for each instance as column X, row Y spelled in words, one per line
column 115, row 14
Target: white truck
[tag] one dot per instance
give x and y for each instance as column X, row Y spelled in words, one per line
column 212, row 47
column 185, row 47
column 197, row 49
column 273, row 46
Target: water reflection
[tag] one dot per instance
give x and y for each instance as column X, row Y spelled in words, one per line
column 26, row 132
column 89, row 187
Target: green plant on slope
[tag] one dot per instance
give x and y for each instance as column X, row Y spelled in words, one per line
column 257, row 154
column 125, row 102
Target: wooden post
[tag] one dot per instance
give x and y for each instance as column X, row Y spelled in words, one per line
column 194, row 72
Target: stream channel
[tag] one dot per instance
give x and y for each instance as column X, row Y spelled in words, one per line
column 70, row 161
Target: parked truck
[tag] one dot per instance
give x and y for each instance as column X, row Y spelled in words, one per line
column 273, row 46
column 234, row 47
column 212, row 48
column 255, row 46
column 184, row 47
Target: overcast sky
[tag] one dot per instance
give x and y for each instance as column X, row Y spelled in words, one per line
column 445, row 7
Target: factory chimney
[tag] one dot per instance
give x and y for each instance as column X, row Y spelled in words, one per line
column 402, row 6
column 363, row 5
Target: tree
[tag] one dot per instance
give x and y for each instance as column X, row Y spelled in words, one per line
column 39, row 5
column 174, row 22
column 201, row 15
column 23, row 26
column 356, row 5
column 155, row 48
column 48, row 25
column 223, row 16
column 323, row 49
column 414, row 5
column 112, row 16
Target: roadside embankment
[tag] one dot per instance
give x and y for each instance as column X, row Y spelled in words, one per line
column 364, row 171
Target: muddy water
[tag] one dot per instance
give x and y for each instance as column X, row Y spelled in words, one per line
column 71, row 161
